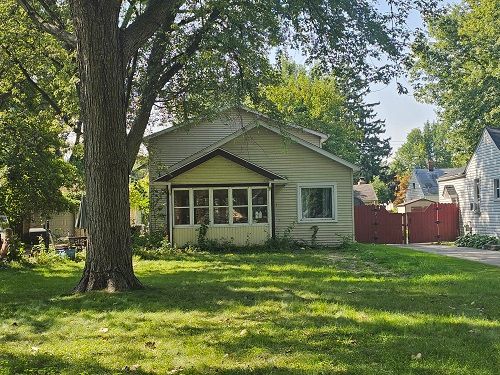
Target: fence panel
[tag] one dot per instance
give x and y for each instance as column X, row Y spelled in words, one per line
column 374, row 224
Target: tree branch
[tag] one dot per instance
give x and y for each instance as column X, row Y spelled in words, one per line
column 145, row 25
column 68, row 39
column 158, row 77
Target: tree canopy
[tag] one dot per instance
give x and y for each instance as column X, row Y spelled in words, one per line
column 456, row 66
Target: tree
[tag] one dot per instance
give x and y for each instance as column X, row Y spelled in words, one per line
column 130, row 53
column 456, row 66
column 431, row 143
column 313, row 101
column 382, row 189
column 402, row 185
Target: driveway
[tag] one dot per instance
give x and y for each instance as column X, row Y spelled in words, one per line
column 477, row 255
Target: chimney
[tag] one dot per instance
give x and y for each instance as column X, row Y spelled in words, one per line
column 361, row 181
column 430, row 165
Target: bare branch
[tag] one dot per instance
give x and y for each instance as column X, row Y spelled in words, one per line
column 145, row 25
column 68, row 39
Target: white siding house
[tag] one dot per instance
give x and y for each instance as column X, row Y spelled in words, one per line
column 477, row 189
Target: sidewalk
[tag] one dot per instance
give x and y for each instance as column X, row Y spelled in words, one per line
column 484, row 256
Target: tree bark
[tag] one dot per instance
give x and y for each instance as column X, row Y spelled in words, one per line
column 103, row 103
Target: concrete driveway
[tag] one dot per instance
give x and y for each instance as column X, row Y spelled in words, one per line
column 484, row 256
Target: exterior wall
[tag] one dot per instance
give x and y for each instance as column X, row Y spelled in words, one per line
column 414, row 206
column 485, row 165
column 299, row 165
column 463, row 203
column 311, row 138
column 61, row 224
column 216, row 171
column 239, row 235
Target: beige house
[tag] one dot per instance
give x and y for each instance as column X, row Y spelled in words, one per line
column 364, row 194
column 248, row 178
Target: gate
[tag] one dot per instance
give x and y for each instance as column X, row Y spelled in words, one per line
column 439, row 222
column 374, row 224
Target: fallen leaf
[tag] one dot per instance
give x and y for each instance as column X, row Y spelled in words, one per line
column 175, row 370
column 417, row 356
column 104, row 330
column 243, row 332
column 35, row 348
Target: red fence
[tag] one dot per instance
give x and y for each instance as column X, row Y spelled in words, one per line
column 374, row 224
column 439, row 222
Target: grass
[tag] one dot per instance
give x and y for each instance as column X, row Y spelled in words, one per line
column 366, row 310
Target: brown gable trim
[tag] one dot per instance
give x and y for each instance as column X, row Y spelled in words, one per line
column 219, row 152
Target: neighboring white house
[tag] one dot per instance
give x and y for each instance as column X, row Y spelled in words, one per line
column 423, row 182
column 476, row 189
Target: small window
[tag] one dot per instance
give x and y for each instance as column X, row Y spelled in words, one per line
column 317, row 203
column 414, row 186
column 201, row 206
column 240, row 206
column 496, row 188
column 221, row 206
column 259, row 206
column 477, row 190
column 181, row 207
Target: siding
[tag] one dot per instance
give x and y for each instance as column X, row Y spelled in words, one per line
column 239, row 235
column 299, row 165
column 218, row 170
column 417, row 193
column 311, row 138
column 485, row 165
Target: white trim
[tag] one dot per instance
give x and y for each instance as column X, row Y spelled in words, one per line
column 331, row 185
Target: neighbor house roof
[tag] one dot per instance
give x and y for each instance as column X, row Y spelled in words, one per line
column 321, row 135
column 452, row 174
column 495, row 135
column 176, row 171
column 413, row 201
column 450, row 191
column 365, row 192
column 427, row 179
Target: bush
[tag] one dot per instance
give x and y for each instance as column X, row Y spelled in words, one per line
column 477, row 241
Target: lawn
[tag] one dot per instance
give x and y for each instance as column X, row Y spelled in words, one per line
column 366, row 310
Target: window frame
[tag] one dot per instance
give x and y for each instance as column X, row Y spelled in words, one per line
column 230, row 206
column 496, row 189
column 330, row 185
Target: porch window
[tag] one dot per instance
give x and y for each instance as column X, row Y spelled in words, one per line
column 259, row 206
column 496, row 188
column 181, row 207
column 240, row 206
column 317, row 203
column 221, row 206
column 201, row 206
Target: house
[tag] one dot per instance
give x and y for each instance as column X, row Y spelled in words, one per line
column 423, row 182
column 476, row 188
column 415, row 205
column 364, row 194
column 247, row 178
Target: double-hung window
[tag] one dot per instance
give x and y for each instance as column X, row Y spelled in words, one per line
column 317, row 203
column 496, row 188
column 220, row 199
column 201, row 204
column 259, row 205
column 182, row 210
column 240, row 205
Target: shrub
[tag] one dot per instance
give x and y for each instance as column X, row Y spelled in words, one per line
column 477, row 241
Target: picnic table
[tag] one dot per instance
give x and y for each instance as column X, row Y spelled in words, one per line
column 79, row 243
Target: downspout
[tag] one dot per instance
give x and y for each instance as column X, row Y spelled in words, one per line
column 272, row 222
column 170, row 214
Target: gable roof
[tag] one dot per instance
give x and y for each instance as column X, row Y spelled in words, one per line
column 428, row 180
column 495, row 135
column 251, row 126
column 365, row 192
column 453, row 174
column 321, row 135
column 176, row 171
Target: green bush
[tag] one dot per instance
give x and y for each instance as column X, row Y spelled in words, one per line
column 477, row 241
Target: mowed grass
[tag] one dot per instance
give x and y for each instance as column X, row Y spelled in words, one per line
column 366, row 310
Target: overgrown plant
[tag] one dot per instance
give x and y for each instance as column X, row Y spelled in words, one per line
column 477, row 241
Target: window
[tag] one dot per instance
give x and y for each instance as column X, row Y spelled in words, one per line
column 496, row 188
column 477, row 190
column 317, row 203
column 414, row 186
column 240, row 206
column 221, row 206
column 259, row 206
column 201, row 206
column 181, row 207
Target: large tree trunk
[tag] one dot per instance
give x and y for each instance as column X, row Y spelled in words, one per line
column 102, row 74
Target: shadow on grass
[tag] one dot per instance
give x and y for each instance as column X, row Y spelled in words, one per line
column 371, row 309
